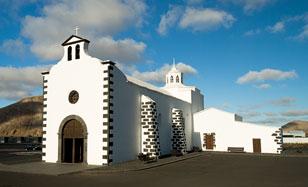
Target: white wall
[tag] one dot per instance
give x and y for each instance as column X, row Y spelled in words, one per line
column 231, row 133
column 85, row 76
column 127, row 127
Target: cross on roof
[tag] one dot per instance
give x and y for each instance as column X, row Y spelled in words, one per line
column 76, row 30
column 173, row 62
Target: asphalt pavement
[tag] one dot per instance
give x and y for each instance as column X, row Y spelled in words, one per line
column 208, row 169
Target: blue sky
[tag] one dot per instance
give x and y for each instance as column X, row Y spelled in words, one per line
column 247, row 57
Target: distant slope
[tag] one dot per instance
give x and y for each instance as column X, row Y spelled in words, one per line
column 23, row 118
column 296, row 125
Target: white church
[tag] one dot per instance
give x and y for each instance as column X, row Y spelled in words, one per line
column 95, row 114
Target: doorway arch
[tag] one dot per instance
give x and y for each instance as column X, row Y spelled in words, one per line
column 72, row 146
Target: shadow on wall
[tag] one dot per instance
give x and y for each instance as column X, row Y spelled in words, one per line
column 197, row 139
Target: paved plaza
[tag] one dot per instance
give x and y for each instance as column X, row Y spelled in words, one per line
column 196, row 169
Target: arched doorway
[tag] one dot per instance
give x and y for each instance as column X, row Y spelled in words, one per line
column 73, row 142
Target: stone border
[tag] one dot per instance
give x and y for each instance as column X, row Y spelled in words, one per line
column 149, row 127
column 107, row 149
column 45, row 87
column 178, row 131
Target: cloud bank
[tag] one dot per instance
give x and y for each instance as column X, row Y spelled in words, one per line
column 16, row 83
column 195, row 19
column 205, row 19
column 104, row 19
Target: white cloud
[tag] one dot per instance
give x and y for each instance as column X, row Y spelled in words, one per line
column 16, row 83
column 13, row 47
column 252, row 32
column 205, row 19
column 295, row 113
column 303, row 35
column 250, row 5
column 263, row 86
column 278, row 27
column 95, row 18
column 286, row 101
column 158, row 75
column 265, row 75
column 169, row 19
column 126, row 50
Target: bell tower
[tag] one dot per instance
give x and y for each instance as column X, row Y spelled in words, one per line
column 75, row 47
column 174, row 77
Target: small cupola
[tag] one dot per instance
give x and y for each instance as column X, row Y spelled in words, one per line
column 75, row 47
column 174, row 76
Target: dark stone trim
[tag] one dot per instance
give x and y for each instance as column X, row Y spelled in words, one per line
column 85, row 135
column 108, row 111
column 108, row 62
column 45, row 72
column 105, row 131
column 69, row 43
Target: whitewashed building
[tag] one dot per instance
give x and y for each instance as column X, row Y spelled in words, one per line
column 95, row 114
column 223, row 131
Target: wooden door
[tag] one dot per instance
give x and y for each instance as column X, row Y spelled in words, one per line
column 72, row 142
column 209, row 141
column 256, row 145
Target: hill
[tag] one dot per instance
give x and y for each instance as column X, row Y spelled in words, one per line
column 23, row 118
column 296, row 125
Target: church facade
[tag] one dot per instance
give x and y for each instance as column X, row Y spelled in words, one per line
column 95, row 114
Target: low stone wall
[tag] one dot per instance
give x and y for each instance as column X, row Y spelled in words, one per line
column 295, row 140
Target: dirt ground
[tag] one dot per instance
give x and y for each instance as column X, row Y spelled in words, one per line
column 209, row 169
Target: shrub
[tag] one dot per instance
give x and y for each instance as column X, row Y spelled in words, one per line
column 146, row 157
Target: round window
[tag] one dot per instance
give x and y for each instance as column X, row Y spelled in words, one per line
column 73, row 97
